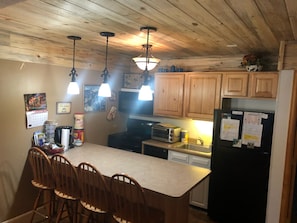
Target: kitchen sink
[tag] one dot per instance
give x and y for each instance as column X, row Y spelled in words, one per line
column 194, row 147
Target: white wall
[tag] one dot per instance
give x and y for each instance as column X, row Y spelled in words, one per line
column 283, row 105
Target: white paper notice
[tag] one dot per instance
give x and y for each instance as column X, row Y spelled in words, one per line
column 252, row 118
column 252, row 129
column 229, row 129
column 252, row 134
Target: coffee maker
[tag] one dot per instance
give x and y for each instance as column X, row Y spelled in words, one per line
column 58, row 135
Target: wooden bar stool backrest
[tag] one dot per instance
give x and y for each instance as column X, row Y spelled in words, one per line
column 41, row 167
column 67, row 186
column 129, row 204
column 65, row 177
column 94, row 192
column 43, row 178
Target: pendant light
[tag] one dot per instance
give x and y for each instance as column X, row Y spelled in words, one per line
column 145, row 93
column 104, row 89
column 73, row 87
column 141, row 60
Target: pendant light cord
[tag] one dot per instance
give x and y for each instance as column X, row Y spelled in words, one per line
column 106, row 52
column 147, row 48
column 105, row 72
column 73, row 53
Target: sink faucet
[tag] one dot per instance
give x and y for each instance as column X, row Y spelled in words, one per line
column 200, row 140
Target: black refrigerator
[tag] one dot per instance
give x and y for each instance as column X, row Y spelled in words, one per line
column 240, row 163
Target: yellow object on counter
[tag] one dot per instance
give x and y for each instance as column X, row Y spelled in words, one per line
column 184, row 136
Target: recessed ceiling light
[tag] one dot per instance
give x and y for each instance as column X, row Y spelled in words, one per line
column 231, row 45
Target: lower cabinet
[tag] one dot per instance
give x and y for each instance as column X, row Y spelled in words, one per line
column 199, row 194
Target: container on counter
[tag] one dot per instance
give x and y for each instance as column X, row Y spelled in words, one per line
column 78, row 120
column 184, row 136
column 78, row 137
column 49, row 130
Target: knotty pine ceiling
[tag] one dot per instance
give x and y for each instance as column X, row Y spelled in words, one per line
column 36, row 30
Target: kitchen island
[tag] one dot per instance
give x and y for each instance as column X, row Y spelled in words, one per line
column 167, row 184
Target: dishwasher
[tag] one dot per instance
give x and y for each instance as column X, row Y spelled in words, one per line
column 155, row 151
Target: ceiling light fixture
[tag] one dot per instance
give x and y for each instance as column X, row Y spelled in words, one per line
column 141, row 60
column 145, row 93
column 104, row 89
column 73, row 87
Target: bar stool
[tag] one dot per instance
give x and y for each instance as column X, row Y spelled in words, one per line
column 67, row 187
column 43, row 180
column 129, row 202
column 94, row 195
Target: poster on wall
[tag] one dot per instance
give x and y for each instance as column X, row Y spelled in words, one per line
column 36, row 109
column 92, row 102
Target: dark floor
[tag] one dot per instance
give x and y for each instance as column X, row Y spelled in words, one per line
column 196, row 215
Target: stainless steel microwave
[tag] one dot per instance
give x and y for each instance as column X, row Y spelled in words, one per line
column 129, row 103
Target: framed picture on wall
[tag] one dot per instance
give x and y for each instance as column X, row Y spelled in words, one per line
column 63, row 107
column 92, row 102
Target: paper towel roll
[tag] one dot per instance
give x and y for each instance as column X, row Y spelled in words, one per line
column 65, row 138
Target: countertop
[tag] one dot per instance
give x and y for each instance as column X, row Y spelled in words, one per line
column 158, row 175
column 173, row 147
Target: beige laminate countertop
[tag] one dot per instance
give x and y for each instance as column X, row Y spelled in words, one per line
column 172, row 146
column 158, row 175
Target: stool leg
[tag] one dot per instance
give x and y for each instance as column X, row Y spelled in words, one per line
column 36, row 204
column 60, row 211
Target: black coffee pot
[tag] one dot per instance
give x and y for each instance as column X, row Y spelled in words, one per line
column 58, row 135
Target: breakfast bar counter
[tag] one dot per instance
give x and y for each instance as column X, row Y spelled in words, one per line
column 167, row 184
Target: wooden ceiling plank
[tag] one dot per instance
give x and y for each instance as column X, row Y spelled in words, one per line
column 191, row 42
column 276, row 16
column 291, row 7
column 6, row 3
column 249, row 26
column 210, row 22
column 185, row 28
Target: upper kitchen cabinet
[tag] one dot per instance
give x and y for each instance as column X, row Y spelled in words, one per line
column 250, row 85
column 202, row 94
column 169, row 94
column 263, row 84
column 235, row 84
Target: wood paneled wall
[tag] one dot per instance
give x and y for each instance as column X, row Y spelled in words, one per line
column 210, row 63
column 287, row 55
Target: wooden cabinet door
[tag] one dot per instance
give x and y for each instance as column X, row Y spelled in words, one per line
column 235, row 84
column 202, row 95
column 263, row 84
column 169, row 93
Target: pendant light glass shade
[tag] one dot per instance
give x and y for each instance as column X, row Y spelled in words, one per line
column 145, row 93
column 104, row 89
column 73, row 87
column 141, row 60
